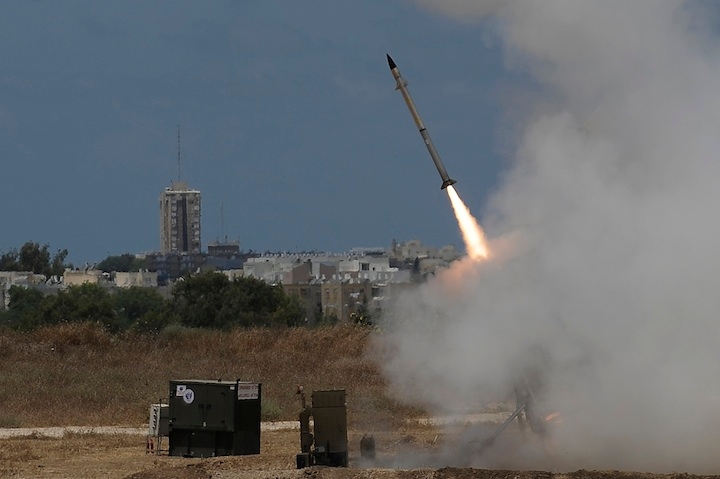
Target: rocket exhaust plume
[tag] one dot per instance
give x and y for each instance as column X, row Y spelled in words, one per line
column 613, row 298
column 473, row 235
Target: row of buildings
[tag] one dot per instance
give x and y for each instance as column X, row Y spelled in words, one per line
column 344, row 286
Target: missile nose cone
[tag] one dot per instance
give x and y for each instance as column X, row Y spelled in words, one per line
column 390, row 61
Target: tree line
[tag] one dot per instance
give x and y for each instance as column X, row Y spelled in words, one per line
column 205, row 300
column 36, row 259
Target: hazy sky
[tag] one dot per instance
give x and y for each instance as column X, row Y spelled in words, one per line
column 288, row 116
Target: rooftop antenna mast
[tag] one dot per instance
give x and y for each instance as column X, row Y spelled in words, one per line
column 222, row 221
column 178, row 153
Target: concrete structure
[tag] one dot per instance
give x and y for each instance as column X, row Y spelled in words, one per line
column 371, row 268
column 409, row 250
column 431, row 265
column 180, row 219
column 302, row 268
column 267, row 268
column 299, row 274
column 232, row 274
column 77, row 277
column 311, row 296
column 173, row 265
column 343, row 299
column 324, row 269
column 144, row 279
column 225, row 256
column 224, row 249
column 274, row 268
column 24, row 279
column 384, row 292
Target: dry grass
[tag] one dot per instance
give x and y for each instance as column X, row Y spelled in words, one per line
column 76, row 456
column 80, row 375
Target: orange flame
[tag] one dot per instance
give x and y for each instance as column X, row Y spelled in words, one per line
column 472, row 233
column 553, row 417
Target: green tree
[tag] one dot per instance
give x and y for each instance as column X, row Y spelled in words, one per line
column 135, row 302
column 35, row 258
column 267, row 305
column 290, row 311
column 124, row 262
column 211, row 300
column 199, row 298
column 57, row 265
column 23, row 309
column 81, row 303
column 156, row 320
column 9, row 261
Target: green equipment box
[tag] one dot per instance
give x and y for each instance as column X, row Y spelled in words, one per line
column 214, row 418
column 328, row 444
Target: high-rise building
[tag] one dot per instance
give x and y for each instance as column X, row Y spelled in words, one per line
column 180, row 219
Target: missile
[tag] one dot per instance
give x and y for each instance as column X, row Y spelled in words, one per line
column 402, row 86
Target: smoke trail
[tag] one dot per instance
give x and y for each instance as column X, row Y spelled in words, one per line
column 614, row 193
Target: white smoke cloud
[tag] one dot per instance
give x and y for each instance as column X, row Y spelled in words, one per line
column 613, row 190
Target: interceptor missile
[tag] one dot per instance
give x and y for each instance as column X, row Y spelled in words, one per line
column 402, row 86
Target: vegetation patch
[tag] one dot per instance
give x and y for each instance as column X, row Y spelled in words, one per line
column 82, row 375
column 207, row 300
column 9, row 421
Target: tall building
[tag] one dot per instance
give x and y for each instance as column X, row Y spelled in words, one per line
column 180, row 219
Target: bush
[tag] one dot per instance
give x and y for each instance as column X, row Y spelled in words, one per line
column 270, row 410
column 211, row 300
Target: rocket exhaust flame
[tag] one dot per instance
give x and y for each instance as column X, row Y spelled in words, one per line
column 473, row 234
column 553, row 418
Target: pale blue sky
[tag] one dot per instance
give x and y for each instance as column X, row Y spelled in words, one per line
column 288, row 115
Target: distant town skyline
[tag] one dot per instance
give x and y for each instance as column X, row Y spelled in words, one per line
column 290, row 122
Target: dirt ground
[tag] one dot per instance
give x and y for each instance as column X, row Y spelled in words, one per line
column 84, row 456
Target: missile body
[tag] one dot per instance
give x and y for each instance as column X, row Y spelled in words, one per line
column 402, row 86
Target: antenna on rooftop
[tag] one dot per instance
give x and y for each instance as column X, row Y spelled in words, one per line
column 178, row 153
column 222, row 221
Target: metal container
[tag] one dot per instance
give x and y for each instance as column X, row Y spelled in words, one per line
column 158, row 420
column 328, row 443
column 214, row 418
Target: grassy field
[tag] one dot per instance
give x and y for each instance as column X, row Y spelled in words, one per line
column 81, row 376
column 77, row 374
